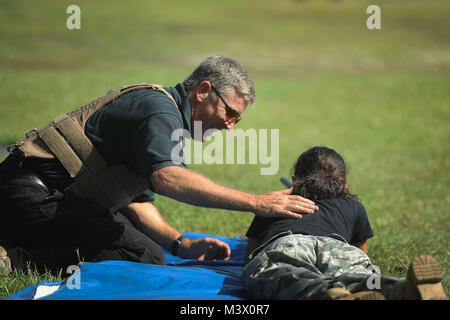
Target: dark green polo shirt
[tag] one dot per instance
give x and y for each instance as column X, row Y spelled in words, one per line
column 136, row 130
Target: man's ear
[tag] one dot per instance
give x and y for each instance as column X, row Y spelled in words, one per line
column 203, row 90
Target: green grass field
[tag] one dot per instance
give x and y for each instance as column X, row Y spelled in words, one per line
column 379, row 97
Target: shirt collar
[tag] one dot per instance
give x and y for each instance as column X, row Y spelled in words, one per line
column 181, row 98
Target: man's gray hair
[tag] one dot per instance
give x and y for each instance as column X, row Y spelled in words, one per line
column 223, row 73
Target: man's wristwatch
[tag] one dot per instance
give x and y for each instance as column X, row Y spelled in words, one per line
column 176, row 245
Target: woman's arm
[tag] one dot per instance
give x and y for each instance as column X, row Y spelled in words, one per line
column 362, row 246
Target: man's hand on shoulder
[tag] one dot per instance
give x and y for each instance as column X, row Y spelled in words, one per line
column 282, row 204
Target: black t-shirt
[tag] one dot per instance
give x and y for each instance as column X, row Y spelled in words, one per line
column 136, row 130
column 345, row 217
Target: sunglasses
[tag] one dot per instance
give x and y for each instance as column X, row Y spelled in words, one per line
column 232, row 114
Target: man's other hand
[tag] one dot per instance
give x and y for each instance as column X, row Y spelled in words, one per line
column 204, row 249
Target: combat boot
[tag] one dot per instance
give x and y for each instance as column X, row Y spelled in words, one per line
column 424, row 280
column 364, row 295
column 5, row 261
column 343, row 294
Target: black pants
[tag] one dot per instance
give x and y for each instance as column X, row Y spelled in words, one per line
column 43, row 228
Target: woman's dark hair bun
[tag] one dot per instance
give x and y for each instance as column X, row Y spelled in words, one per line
column 320, row 173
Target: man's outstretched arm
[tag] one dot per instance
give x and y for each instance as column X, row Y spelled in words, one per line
column 190, row 187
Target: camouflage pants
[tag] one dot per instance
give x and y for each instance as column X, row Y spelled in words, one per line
column 298, row 266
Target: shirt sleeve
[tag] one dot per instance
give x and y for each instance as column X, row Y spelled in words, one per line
column 157, row 143
column 362, row 229
column 146, row 196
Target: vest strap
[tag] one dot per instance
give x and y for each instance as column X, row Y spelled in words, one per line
column 62, row 151
column 82, row 145
column 103, row 188
column 112, row 186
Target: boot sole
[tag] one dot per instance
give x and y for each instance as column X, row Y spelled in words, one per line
column 5, row 260
column 425, row 275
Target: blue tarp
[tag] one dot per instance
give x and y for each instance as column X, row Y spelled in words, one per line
column 180, row 279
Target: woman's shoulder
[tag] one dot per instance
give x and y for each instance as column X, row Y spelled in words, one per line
column 341, row 202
